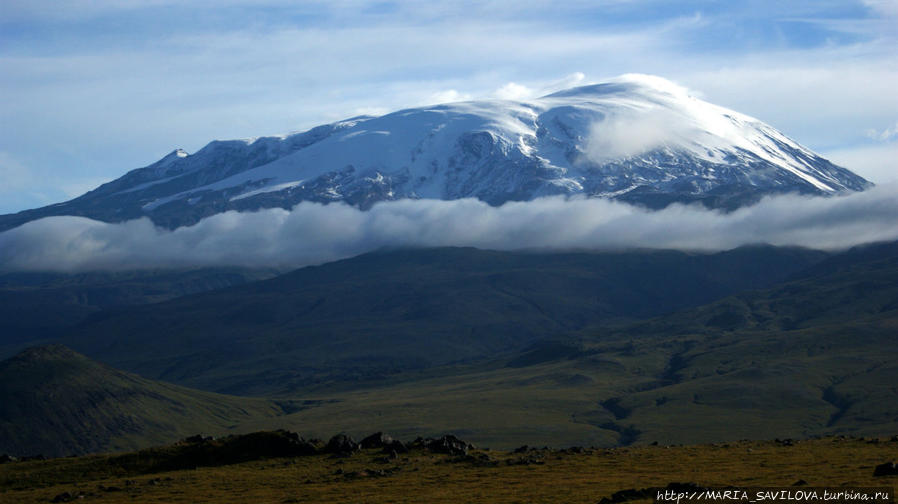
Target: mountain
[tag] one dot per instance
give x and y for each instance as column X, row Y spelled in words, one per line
column 636, row 138
column 57, row 402
column 390, row 312
column 811, row 356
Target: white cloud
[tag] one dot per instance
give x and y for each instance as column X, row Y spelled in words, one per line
column 447, row 96
column 886, row 7
column 820, row 106
column 885, row 135
column 568, row 81
column 513, row 91
column 516, row 91
column 617, row 137
column 877, row 163
column 13, row 173
column 312, row 233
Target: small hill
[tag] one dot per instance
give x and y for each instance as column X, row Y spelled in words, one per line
column 56, row 402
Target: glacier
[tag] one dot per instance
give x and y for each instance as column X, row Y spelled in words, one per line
column 636, row 138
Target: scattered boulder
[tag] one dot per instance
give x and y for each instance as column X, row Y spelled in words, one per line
column 395, row 446
column 4, row 459
column 66, row 497
column 341, row 444
column 264, row 444
column 223, row 451
column 887, row 469
column 479, row 460
column 448, row 444
column 530, row 460
column 376, row 440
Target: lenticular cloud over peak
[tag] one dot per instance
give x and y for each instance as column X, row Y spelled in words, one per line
column 313, row 233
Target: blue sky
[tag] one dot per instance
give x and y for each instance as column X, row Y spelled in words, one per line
column 91, row 89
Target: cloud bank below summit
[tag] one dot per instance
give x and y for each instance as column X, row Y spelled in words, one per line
column 313, row 233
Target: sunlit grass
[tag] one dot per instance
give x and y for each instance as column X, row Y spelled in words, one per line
column 550, row 477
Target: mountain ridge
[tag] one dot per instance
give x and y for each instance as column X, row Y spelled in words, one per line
column 638, row 139
column 407, row 309
column 812, row 354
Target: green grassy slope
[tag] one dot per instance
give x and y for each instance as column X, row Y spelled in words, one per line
column 813, row 356
column 380, row 313
column 55, row 402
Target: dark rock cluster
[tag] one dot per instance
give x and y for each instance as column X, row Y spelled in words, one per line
column 448, row 444
column 886, row 469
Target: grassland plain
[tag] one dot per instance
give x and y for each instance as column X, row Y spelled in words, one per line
column 531, row 476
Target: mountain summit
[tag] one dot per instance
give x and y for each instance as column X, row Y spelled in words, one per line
column 636, row 138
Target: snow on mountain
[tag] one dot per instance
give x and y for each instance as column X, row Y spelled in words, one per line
column 637, row 138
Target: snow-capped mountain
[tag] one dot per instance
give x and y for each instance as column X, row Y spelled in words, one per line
column 636, row 138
